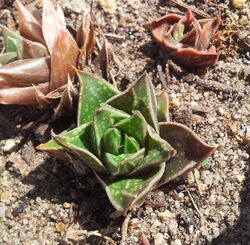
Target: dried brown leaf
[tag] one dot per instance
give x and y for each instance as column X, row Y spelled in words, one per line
column 86, row 37
column 103, row 60
column 29, row 26
column 66, row 103
column 64, row 57
column 52, row 23
column 41, row 99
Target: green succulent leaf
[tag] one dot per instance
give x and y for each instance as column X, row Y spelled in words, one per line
column 191, row 150
column 124, row 192
column 158, row 151
column 53, row 148
column 178, row 32
column 140, row 96
column 162, row 107
column 130, row 145
column 105, row 117
column 93, row 92
column 123, row 164
column 76, row 142
column 10, row 39
column 134, row 126
column 112, row 140
column 5, row 58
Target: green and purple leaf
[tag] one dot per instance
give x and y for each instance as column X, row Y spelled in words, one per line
column 125, row 192
column 190, row 150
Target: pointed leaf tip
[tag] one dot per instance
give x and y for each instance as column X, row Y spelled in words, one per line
column 29, row 26
column 191, row 150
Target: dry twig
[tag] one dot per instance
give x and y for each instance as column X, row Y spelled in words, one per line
column 195, row 206
column 193, row 9
column 191, row 78
column 125, row 230
column 197, row 183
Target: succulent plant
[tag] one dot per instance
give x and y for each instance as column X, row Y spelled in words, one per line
column 125, row 139
column 187, row 39
column 40, row 61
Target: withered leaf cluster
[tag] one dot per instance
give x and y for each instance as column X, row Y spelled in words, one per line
column 40, row 62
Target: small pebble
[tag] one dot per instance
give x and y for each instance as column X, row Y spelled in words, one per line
column 159, row 239
column 2, row 210
column 60, row 227
column 238, row 3
column 9, row 146
column 240, row 178
column 66, row 205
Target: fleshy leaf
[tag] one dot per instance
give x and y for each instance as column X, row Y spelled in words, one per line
column 191, row 150
column 207, row 34
column 93, row 91
column 134, row 126
column 76, row 142
column 162, row 107
column 123, row 164
column 158, row 151
column 178, row 32
column 21, row 95
column 194, row 58
column 64, row 58
column 112, row 140
column 10, row 38
column 25, row 72
column 105, row 117
column 130, row 145
column 53, row 148
column 126, row 192
column 29, row 49
column 140, row 96
column 5, row 58
column 29, row 26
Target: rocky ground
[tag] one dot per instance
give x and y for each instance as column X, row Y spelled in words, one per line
column 43, row 201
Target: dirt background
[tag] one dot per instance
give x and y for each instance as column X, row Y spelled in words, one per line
column 43, row 201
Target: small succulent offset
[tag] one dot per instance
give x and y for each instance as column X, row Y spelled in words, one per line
column 39, row 62
column 187, row 39
column 127, row 140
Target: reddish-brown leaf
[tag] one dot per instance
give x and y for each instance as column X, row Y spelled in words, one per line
column 52, row 23
column 207, row 33
column 64, row 57
column 161, row 26
column 190, row 57
column 23, row 73
column 31, row 49
column 29, row 27
column 22, row 96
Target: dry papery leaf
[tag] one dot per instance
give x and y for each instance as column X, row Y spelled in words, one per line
column 108, row 6
column 109, row 65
